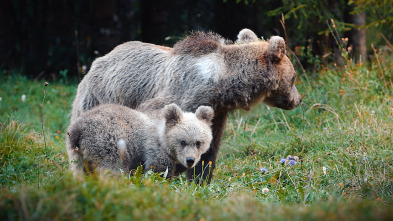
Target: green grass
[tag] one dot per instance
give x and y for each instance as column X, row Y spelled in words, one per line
column 345, row 125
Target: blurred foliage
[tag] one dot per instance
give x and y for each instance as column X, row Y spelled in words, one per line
column 58, row 40
column 380, row 12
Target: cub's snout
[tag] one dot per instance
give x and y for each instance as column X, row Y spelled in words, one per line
column 190, row 161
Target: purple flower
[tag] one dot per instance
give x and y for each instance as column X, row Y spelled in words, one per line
column 283, row 161
column 292, row 163
column 264, row 170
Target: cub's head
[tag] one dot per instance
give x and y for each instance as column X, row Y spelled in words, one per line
column 279, row 72
column 188, row 135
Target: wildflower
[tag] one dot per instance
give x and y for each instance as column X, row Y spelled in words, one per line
column 56, row 137
column 372, row 112
column 210, row 163
column 151, row 166
column 265, row 190
column 264, row 170
column 341, row 184
column 244, row 174
column 218, row 170
column 292, row 163
column 341, row 91
column 203, row 162
column 0, row 99
column 344, row 193
column 46, row 84
column 59, row 132
column 324, row 170
column 23, row 98
column 84, row 68
column 283, row 161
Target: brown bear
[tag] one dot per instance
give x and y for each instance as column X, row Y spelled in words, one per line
column 115, row 138
column 201, row 69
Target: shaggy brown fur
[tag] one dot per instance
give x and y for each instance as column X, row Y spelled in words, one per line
column 113, row 137
column 202, row 69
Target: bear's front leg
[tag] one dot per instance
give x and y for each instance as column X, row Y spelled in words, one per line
column 160, row 165
column 203, row 171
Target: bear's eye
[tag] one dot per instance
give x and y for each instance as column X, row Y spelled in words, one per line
column 198, row 144
column 183, row 143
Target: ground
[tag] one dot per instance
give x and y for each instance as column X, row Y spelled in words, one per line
column 342, row 135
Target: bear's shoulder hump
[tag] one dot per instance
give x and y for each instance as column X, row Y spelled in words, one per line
column 199, row 43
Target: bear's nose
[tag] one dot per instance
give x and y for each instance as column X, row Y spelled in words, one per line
column 190, row 161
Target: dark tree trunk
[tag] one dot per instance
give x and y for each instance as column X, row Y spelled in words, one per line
column 359, row 38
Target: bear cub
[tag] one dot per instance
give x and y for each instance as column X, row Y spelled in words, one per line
column 115, row 138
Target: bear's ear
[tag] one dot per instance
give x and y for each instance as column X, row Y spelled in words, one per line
column 276, row 48
column 246, row 36
column 205, row 113
column 173, row 115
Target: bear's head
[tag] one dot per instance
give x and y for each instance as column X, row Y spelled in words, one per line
column 285, row 96
column 188, row 135
column 280, row 75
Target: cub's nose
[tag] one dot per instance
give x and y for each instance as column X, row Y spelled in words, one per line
column 190, row 161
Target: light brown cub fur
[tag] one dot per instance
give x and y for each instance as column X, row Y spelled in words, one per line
column 113, row 137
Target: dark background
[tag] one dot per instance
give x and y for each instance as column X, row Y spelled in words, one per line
column 60, row 38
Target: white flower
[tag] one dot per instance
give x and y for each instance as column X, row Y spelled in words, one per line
column 0, row 99
column 84, row 68
column 265, row 190
column 23, row 98
column 324, row 170
column 372, row 112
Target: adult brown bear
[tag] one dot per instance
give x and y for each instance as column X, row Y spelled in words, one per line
column 202, row 69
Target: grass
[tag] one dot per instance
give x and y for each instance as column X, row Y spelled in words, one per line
column 345, row 125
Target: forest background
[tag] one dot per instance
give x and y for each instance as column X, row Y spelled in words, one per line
column 56, row 39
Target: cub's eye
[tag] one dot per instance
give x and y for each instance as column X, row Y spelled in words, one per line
column 183, row 143
column 198, row 144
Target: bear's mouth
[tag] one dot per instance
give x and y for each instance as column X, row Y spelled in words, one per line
column 282, row 103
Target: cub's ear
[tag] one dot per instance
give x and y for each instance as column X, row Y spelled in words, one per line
column 173, row 115
column 276, row 48
column 246, row 36
column 205, row 113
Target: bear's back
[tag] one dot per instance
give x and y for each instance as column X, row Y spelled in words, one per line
column 103, row 126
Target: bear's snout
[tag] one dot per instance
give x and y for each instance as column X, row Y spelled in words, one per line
column 190, row 161
column 296, row 97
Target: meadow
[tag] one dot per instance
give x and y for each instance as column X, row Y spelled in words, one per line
column 342, row 135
